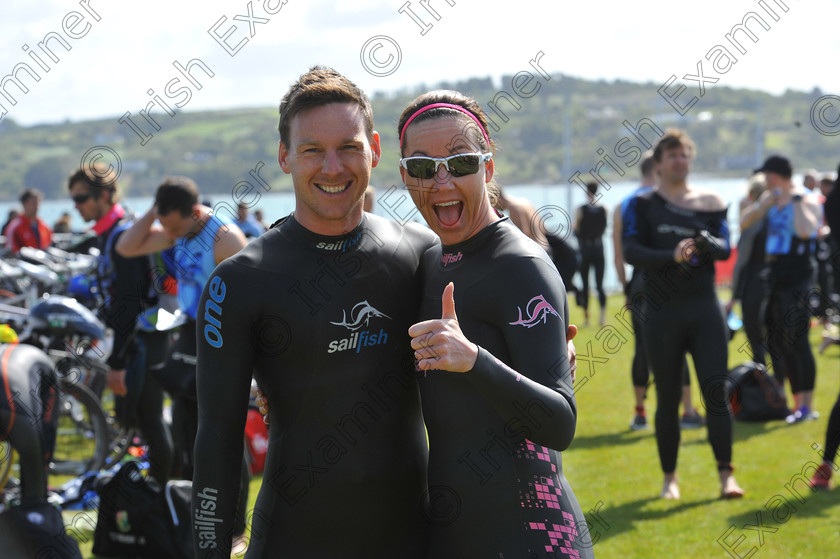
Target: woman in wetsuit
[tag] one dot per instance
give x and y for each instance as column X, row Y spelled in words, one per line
column 497, row 391
column 673, row 234
column 749, row 283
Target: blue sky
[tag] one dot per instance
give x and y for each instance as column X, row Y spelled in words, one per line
column 120, row 51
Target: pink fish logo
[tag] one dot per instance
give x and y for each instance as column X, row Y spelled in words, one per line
column 538, row 310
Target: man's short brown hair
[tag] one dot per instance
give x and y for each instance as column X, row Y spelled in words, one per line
column 322, row 86
column 673, row 137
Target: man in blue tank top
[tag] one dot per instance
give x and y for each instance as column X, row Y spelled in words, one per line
column 199, row 238
column 195, row 240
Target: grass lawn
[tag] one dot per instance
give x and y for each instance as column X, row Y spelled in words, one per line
column 615, row 472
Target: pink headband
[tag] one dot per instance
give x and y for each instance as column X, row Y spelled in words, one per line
column 448, row 106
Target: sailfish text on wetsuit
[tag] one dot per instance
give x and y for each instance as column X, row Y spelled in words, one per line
column 212, row 330
column 205, row 518
column 360, row 316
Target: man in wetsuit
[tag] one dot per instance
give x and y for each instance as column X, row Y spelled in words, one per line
column 639, row 369
column 126, row 285
column 318, row 308
column 674, row 234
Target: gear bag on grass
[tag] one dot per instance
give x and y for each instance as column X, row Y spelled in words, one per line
column 139, row 519
column 755, row 395
column 35, row 531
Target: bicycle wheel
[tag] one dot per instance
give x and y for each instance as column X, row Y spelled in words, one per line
column 82, row 438
column 91, row 373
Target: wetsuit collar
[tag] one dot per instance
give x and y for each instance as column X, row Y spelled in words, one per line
column 333, row 244
column 108, row 221
column 452, row 254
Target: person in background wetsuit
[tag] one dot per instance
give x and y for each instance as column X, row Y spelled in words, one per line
column 524, row 215
column 793, row 218
column 29, row 402
column 590, row 224
column 674, row 233
column 28, row 414
column 127, row 286
column 639, row 370
column 822, row 477
column 749, row 282
column 496, row 388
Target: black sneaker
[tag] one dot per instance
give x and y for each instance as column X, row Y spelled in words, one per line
column 693, row 421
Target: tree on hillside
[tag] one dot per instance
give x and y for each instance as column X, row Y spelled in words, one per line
column 48, row 176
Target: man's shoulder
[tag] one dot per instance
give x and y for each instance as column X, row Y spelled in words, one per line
column 15, row 224
column 644, row 192
column 707, row 200
column 417, row 235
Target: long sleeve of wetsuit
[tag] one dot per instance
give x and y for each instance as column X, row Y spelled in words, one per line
column 714, row 239
column 121, row 311
column 535, row 394
column 635, row 243
column 225, row 363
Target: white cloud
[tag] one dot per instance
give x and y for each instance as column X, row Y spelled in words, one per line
column 132, row 47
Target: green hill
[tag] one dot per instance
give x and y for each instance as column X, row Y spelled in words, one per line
column 733, row 128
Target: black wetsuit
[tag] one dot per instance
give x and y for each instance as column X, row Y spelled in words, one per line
column 750, row 286
column 127, row 287
column 496, row 483
column 590, row 232
column 679, row 311
column 323, row 324
column 565, row 258
column 640, row 370
column 28, row 414
column 788, row 311
column 832, row 217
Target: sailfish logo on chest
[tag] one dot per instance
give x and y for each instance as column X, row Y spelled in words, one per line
column 537, row 310
column 360, row 316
